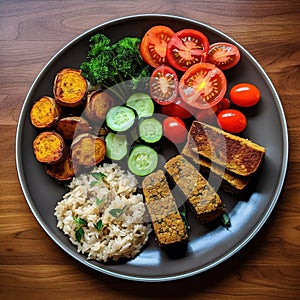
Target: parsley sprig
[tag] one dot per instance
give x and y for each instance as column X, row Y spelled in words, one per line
column 98, row 176
column 79, row 232
column 117, row 212
column 99, row 225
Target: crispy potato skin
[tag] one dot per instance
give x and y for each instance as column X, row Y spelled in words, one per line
column 45, row 112
column 88, row 150
column 98, row 104
column 49, row 147
column 69, row 88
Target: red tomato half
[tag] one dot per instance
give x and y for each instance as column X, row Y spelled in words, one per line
column 174, row 129
column 177, row 109
column 244, row 95
column 187, row 47
column 203, row 85
column 153, row 46
column 232, row 120
column 164, row 85
column 223, row 55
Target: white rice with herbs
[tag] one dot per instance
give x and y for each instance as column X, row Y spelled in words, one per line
column 103, row 215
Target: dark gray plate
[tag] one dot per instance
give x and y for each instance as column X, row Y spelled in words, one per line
column 207, row 247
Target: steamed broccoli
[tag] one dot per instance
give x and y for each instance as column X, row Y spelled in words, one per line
column 109, row 64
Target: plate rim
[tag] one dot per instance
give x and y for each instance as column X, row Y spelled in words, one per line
column 245, row 240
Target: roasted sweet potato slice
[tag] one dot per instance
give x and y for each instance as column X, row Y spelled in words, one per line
column 98, row 104
column 88, row 150
column 62, row 171
column 70, row 87
column 71, row 126
column 45, row 112
column 49, row 147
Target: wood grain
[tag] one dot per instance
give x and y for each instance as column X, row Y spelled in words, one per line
column 34, row 267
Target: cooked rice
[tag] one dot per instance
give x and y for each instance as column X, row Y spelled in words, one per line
column 120, row 236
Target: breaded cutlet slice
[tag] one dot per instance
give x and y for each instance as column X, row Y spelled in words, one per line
column 230, row 182
column 239, row 155
column 167, row 223
column 204, row 201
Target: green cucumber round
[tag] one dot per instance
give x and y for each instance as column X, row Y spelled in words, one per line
column 142, row 160
column 116, row 146
column 142, row 104
column 151, row 130
column 120, row 118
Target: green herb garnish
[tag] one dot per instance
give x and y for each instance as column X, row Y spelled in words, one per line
column 79, row 232
column 225, row 220
column 98, row 176
column 117, row 212
column 109, row 64
column 99, row 225
column 99, row 201
column 183, row 212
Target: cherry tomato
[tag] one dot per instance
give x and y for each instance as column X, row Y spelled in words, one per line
column 153, row 46
column 244, row 95
column 187, row 47
column 177, row 109
column 232, row 120
column 224, row 104
column 164, row 85
column 203, row 85
column 174, row 129
column 207, row 116
column 223, row 55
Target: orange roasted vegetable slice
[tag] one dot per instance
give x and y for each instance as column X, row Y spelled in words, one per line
column 62, row 171
column 88, row 150
column 45, row 112
column 70, row 87
column 71, row 126
column 49, row 147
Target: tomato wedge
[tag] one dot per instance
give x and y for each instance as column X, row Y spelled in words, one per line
column 187, row 47
column 164, row 85
column 153, row 46
column 223, row 55
column 203, row 85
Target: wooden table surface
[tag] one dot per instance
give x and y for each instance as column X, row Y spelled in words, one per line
column 32, row 266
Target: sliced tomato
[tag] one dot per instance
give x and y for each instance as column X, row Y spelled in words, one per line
column 223, row 55
column 153, row 46
column 177, row 109
column 164, row 85
column 187, row 47
column 203, row 85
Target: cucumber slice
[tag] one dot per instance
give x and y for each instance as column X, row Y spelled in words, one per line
column 120, row 118
column 116, row 146
column 150, row 130
column 142, row 160
column 142, row 104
